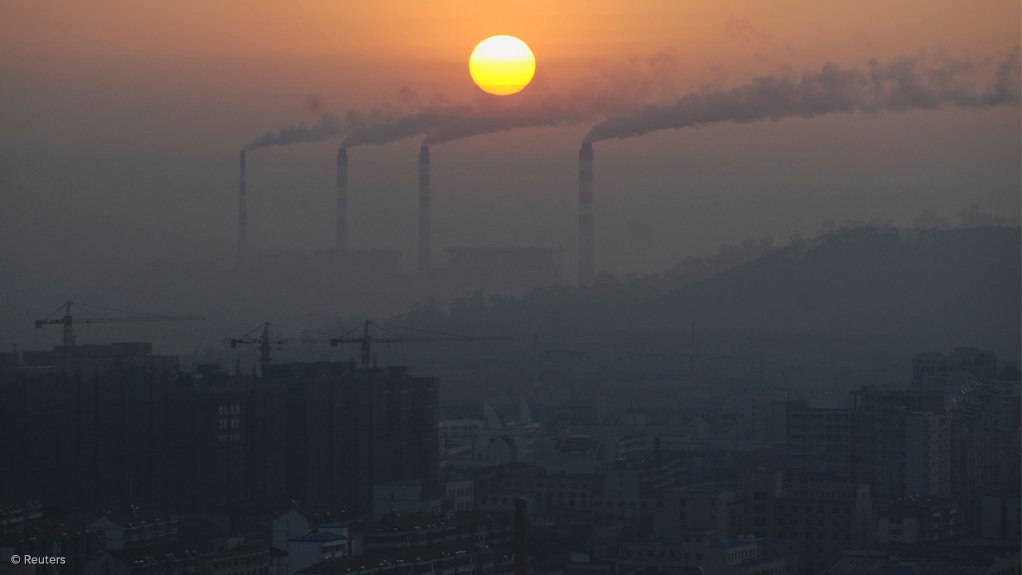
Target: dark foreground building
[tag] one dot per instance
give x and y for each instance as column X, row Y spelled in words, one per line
column 350, row 427
column 111, row 426
column 84, row 425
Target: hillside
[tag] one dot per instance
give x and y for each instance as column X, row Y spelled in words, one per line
column 923, row 287
column 867, row 288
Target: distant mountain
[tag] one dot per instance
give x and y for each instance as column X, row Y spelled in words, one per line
column 865, row 289
column 919, row 288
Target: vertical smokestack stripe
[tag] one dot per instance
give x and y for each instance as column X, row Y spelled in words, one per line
column 341, row 226
column 586, row 255
column 424, row 224
column 242, row 212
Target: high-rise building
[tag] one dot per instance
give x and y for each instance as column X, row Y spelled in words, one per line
column 223, row 443
column 896, row 441
column 351, row 427
column 902, row 442
column 114, row 426
column 935, row 370
column 820, row 441
column 953, row 433
column 84, row 424
column 822, row 518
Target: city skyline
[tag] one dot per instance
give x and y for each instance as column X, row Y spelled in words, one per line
column 587, row 287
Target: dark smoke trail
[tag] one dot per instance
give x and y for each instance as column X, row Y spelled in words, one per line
column 901, row 84
column 551, row 111
column 328, row 126
column 380, row 128
column 612, row 87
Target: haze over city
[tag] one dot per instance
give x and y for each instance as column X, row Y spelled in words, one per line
column 333, row 288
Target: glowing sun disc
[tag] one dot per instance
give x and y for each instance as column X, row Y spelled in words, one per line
column 502, row 65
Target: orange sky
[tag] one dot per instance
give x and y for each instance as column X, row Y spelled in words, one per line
column 188, row 82
column 427, row 43
column 266, row 57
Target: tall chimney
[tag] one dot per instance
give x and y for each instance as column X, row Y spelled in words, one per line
column 341, row 229
column 586, row 256
column 424, row 224
column 521, row 543
column 242, row 213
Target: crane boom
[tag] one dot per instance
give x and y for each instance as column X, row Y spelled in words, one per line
column 264, row 341
column 68, row 321
column 366, row 340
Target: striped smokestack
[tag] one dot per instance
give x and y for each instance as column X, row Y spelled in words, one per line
column 341, row 229
column 586, row 255
column 242, row 212
column 424, row 224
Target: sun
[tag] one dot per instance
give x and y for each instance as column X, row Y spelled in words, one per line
column 502, row 65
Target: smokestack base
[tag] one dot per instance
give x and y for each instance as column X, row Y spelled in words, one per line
column 586, row 213
column 242, row 209
column 425, row 251
column 341, row 221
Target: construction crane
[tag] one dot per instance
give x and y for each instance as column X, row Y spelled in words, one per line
column 68, row 320
column 365, row 340
column 264, row 341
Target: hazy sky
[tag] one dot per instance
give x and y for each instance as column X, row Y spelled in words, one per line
column 122, row 121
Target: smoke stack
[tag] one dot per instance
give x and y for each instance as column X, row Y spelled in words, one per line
column 242, row 213
column 586, row 256
column 424, row 224
column 341, row 229
column 521, row 544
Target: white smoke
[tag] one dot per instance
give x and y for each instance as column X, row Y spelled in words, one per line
column 626, row 91
column 901, row 84
column 611, row 87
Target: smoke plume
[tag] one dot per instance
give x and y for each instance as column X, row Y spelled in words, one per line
column 380, row 128
column 614, row 87
column 328, row 126
column 632, row 93
column 901, row 84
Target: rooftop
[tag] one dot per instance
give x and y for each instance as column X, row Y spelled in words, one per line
column 412, row 521
column 135, row 517
column 377, row 559
column 318, row 536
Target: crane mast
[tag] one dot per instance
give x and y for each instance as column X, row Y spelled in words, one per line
column 265, row 342
column 68, row 321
